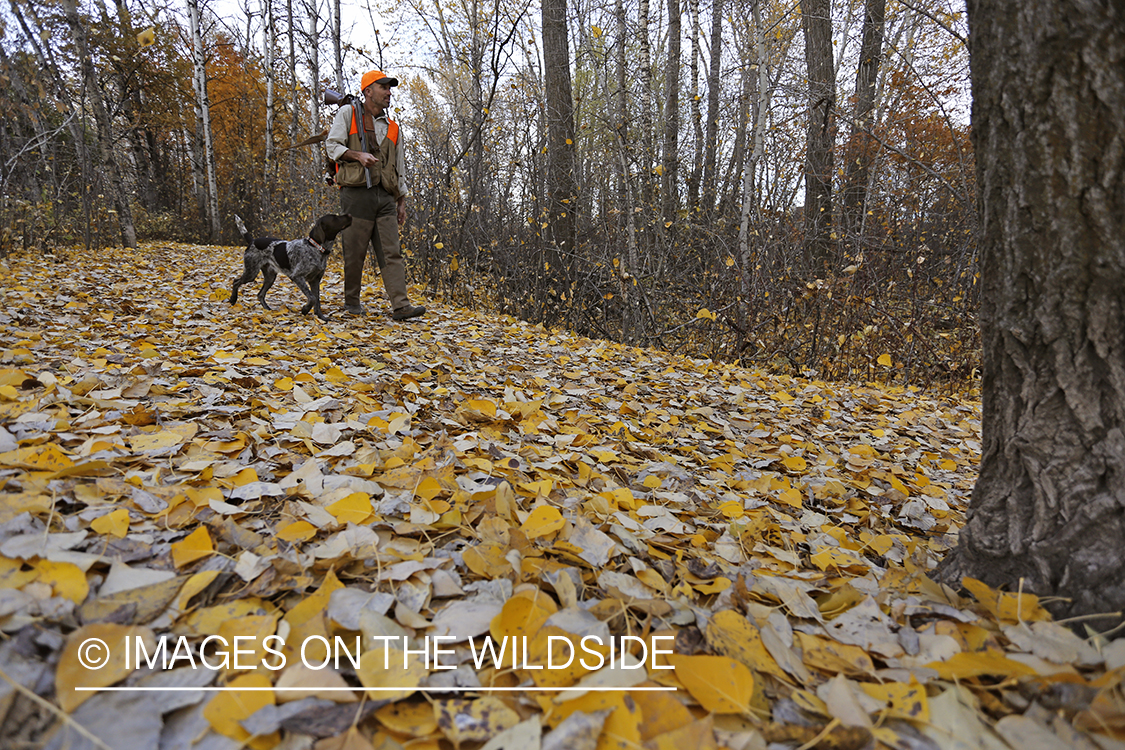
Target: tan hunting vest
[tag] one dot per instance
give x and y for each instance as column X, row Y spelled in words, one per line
column 351, row 173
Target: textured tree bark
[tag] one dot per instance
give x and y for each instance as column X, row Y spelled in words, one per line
column 860, row 147
column 562, row 187
column 1048, row 107
column 816, row 21
column 670, row 190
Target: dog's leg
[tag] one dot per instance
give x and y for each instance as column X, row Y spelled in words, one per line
column 249, row 273
column 314, row 284
column 307, row 290
column 270, row 276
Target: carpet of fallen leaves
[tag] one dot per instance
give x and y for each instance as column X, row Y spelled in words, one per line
column 174, row 467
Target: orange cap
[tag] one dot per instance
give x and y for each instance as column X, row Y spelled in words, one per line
column 376, row 76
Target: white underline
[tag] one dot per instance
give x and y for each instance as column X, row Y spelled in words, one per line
column 371, row 690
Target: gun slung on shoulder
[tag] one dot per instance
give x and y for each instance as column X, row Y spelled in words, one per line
column 336, row 98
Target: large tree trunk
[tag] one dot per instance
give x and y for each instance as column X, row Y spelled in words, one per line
column 816, row 21
column 1048, row 101
column 561, row 185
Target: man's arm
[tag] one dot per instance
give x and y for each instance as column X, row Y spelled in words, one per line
column 337, row 142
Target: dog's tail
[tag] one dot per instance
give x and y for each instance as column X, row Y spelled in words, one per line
column 241, row 228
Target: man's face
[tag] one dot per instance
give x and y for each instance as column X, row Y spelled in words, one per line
column 378, row 95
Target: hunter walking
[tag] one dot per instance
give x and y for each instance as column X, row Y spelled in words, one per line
column 367, row 148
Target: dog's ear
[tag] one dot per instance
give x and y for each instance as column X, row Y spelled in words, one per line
column 318, row 232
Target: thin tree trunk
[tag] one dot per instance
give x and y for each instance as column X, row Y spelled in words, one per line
column 203, row 115
column 711, row 146
column 1048, row 511
column 271, row 103
column 561, row 185
column 696, row 114
column 748, row 262
column 648, row 152
column 294, row 105
column 93, row 89
column 859, row 145
column 816, row 21
column 337, row 45
column 670, row 192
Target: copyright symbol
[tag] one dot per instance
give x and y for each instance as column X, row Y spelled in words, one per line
column 93, row 653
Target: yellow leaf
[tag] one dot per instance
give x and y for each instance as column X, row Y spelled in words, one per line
column 315, row 604
column 720, row 684
column 411, row 719
column 355, row 508
column 195, row 546
column 387, row 674
column 151, row 441
column 791, row 497
column 207, row 621
column 66, row 579
column 228, row 709
column 834, row 657
column 453, row 264
column 95, row 656
column 115, row 523
column 885, row 360
column 47, row 457
column 12, row 575
column 283, row 384
column 296, row 531
column 968, row 664
column 653, row 482
column 907, row 701
column 732, row 509
column 705, row 313
column 519, row 616
column 147, row 38
column 1006, row 606
column 487, row 560
column 429, row 488
column 542, row 521
column 731, row 634
column 9, row 393
column 439, row 245
column 795, row 463
column 194, row 585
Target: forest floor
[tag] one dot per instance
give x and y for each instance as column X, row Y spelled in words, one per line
column 178, row 472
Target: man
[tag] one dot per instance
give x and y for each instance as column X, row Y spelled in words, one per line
column 367, row 148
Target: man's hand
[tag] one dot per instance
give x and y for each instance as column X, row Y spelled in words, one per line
column 401, row 211
column 370, row 161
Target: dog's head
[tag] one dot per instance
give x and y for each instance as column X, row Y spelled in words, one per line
column 328, row 226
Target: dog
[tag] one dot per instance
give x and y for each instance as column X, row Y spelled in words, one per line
column 303, row 260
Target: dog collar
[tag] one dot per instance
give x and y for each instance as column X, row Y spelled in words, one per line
column 318, row 246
